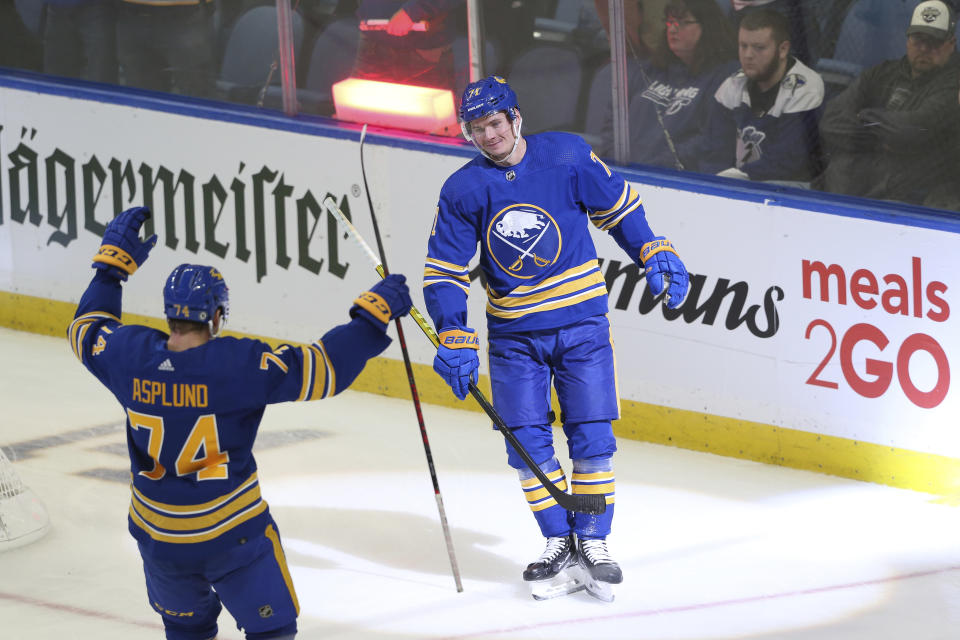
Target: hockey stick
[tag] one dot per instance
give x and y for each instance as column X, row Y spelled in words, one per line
column 582, row 503
column 413, row 383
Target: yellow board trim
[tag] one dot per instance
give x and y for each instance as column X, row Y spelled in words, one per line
column 892, row 466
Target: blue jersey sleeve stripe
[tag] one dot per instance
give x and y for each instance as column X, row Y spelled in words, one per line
column 430, row 272
column 321, row 383
column 449, row 267
column 328, row 374
column 623, row 198
column 610, row 224
column 607, row 219
column 77, row 344
column 306, row 366
column 459, row 285
column 78, row 329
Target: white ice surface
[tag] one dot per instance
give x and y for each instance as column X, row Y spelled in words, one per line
column 711, row 547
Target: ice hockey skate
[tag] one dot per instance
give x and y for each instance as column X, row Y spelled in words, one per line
column 599, row 570
column 555, row 573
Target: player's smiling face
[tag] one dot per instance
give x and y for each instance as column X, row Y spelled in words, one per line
column 493, row 134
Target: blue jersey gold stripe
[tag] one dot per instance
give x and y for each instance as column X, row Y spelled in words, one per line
column 271, row 534
column 329, row 374
column 187, row 538
column 187, row 524
column 78, row 329
column 437, row 271
column 596, row 292
column 628, row 202
column 193, row 509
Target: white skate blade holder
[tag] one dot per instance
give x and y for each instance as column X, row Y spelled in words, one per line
column 570, row 580
column 596, row 588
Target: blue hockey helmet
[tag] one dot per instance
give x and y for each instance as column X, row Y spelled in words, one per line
column 487, row 96
column 194, row 292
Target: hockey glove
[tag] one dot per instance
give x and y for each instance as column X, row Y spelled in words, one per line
column 665, row 271
column 386, row 300
column 457, row 361
column 121, row 250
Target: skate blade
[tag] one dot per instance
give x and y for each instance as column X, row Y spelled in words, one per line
column 597, row 589
column 566, row 582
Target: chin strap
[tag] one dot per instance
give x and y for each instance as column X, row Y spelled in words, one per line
column 517, row 122
column 215, row 328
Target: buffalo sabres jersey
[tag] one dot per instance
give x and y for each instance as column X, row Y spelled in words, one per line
column 192, row 416
column 530, row 221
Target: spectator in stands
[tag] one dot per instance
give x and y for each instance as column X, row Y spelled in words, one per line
column 407, row 42
column 167, row 47
column 894, row 133
column 804, row 24
column 633, row 20
column 773, row 104
column 671, row 103
column 79, row 39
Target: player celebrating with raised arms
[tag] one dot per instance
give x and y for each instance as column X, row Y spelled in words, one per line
column 526, row 201
column 193, row 406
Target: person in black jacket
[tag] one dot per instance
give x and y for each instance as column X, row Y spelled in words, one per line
column 894, row 132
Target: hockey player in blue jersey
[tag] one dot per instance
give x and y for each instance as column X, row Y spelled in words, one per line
column 527, row 201
column 193, row 406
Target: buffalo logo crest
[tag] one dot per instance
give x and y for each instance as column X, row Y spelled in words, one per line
column 523, row 239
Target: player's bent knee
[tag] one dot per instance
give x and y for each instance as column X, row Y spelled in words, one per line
column 590, row 440
column 537, row 440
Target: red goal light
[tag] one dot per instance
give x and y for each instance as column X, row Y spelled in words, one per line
column 395, row 105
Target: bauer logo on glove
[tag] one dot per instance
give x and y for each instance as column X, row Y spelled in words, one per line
column 665, row 271
column 459, row 339
column 457, row 361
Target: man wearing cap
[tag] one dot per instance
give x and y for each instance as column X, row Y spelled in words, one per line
column 894, row 132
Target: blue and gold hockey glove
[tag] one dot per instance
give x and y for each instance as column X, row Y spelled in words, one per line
column 457, row 360
column 386, row 300
column 664, row 270
column 121, row 250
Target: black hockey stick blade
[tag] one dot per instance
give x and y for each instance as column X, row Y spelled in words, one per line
column 593, row 504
